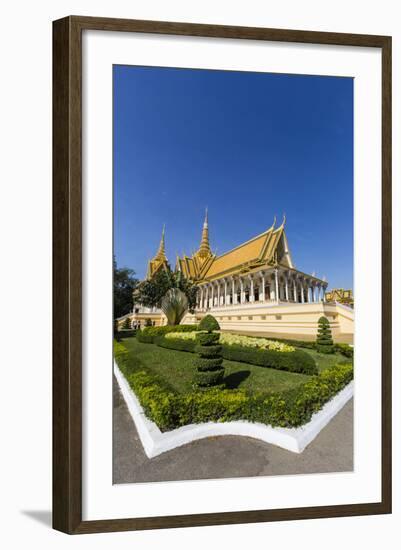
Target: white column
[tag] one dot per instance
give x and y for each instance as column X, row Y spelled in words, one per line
column 218, row 293
column 286, row 289
column 225, row 293
column 324, row 294
column 233, row 291
column 241, row 285
column 295, row 291
column 252, row 290
column 206, row 296
column 302, row 291
column 262, row 292
column 276, row 294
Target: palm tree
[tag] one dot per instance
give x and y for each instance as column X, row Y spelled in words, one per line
column 174, row 306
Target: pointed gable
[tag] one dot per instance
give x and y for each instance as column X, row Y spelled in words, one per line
column 267, row 249
column 160, row 260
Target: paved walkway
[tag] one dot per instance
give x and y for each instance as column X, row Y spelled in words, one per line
column 228, row 456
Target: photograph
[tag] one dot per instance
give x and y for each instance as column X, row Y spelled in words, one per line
column 233, row 290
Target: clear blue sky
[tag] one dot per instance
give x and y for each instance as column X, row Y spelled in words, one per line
column 247, row 145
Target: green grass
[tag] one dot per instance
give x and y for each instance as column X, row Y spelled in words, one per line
column 177, row 371
column 325, row 361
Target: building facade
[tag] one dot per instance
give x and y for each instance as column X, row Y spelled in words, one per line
column 260, row 270
column 253, row 288
column 341, row 295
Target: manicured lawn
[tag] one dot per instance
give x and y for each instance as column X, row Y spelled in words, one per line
column 325, row 361
column 176, row 369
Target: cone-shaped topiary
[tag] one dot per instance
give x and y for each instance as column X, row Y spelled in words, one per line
column 324, row 341
column 209, row 362
column 209, row 324
column 127, row 324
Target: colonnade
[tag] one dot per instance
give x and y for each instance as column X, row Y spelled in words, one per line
column 263, row 286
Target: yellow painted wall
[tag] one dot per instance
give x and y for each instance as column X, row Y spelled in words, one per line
column 292, row 320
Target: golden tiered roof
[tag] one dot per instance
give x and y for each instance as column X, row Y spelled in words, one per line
column 267, row 249
column 160, row 260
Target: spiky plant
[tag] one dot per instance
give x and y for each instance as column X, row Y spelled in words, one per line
column 174, row 306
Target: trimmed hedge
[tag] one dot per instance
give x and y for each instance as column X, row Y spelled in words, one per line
column 344, row 349
column 124, row 333
column 175, row 343
column 297, row 343
column 148, row 334
column 297, row 361
column 290, row 408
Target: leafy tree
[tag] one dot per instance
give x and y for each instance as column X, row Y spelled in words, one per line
column 124, row 284
column 209, row 363
column 324, row 340
column 151, row 292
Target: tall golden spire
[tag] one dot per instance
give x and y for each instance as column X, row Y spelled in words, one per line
column 161, row 253
column 204, row 249
column 160, row 259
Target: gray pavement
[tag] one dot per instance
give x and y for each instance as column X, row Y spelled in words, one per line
column 228, row 456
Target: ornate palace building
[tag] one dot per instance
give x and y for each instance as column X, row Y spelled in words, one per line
column 254, row 288
column 260, row 270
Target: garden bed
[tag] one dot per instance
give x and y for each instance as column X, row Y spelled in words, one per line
column 155, row 442
column 162, row 381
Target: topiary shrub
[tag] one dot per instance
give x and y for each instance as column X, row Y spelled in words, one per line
column 209, row 324
column 127, row 324
column 324, row 341
column 209, row 363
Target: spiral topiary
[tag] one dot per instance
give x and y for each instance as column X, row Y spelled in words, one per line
column 324, row 340
column 209, row 360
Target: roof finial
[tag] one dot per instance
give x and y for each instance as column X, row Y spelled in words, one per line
column 274, row 221
column 284, row 220
column 161, row 253
column 204, row 248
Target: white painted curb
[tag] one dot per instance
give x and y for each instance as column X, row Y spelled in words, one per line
column 156, row 442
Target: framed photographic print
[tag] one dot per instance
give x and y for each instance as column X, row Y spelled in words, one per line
column 222, row 274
